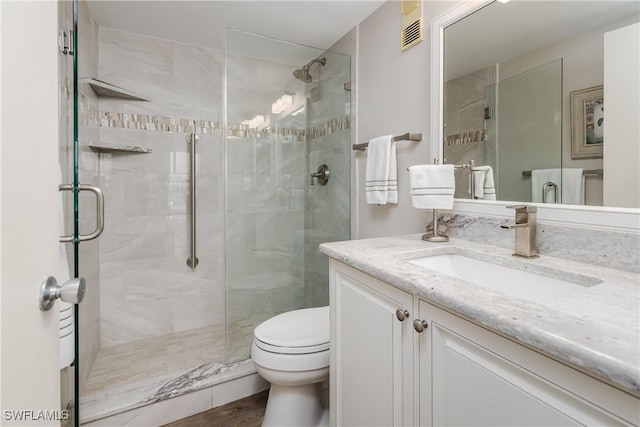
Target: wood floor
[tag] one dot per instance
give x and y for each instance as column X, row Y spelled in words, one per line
column 247, row 412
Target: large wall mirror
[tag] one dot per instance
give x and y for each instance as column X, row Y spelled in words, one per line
column 524, row 90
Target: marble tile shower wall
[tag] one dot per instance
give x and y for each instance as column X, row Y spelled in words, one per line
column 147, row 289
column 327, row 210
column 467, row 133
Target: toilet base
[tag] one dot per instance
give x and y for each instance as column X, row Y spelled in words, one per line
column 295, row 406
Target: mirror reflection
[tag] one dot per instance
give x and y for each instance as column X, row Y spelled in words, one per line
column 524, row 96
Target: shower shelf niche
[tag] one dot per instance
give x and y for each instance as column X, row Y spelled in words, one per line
column 106, row 147
column 102, row 88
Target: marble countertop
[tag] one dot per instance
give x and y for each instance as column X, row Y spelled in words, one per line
column 596, row 330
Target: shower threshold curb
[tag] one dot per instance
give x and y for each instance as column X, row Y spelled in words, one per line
column 118, row 400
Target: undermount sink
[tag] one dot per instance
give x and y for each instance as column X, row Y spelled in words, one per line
column 518, row 283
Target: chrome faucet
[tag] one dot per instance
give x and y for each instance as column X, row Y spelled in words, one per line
column 525, row 226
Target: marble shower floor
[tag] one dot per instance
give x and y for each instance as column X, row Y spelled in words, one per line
column 128, row 363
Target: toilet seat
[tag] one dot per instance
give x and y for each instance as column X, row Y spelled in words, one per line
column 290, row 350
column 302, row 331
column 289, row 362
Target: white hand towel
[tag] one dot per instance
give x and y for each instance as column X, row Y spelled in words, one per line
column 570, row 182
column 572, row 186
column 432, row 186
column 483, row 183
column 381, row 178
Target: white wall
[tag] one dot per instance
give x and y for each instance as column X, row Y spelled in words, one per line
column 622, row 131
column 29, row 373
column 393, row 97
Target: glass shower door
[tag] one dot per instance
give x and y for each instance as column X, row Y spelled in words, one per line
column 81, row 210
column 279, row 130
column 66, row 24
column 528, row 130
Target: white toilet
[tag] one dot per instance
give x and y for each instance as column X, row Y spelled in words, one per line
column 291, row 351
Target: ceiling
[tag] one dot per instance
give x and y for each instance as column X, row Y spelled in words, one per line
column 316, row 23
column 499, row 32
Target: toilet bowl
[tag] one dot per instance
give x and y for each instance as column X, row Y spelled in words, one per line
column 291, row 351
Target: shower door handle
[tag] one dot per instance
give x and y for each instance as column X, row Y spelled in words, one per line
column 99, row 212
column 192, row 261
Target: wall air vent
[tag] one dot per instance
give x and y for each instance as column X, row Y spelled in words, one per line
column 411, row 33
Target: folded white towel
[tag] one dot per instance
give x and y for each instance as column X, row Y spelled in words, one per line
column 484, row 186
column 570, row 182
column 381, row 178
column 432, row 186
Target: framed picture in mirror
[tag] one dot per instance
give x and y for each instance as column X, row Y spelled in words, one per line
column 587, row 123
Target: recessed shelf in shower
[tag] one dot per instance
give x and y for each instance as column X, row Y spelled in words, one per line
column 105, row 147
column 102, row 88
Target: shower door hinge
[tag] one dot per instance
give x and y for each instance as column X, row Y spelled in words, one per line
column 65, row 42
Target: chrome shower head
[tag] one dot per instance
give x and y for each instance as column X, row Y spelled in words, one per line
column 303, row 74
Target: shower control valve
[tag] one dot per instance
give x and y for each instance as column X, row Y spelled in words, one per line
column 322, row 175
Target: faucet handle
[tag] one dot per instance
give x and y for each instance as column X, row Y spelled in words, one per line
column 524, row 208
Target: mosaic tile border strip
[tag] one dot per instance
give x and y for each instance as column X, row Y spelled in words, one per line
column 158, row 123
column 149, row 122
column 468, row 137
column 327, row 128
column 288, row 134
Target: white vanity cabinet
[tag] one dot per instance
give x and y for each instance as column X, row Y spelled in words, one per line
column 470, row 376
column 453, row 373
column 371, row 371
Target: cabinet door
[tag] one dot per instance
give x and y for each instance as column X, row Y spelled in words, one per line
column 471, row 376
column 372, row 351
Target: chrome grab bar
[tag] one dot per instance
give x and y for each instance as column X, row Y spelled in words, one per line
column 99, row 208
column 547, row 185
column 192, row 261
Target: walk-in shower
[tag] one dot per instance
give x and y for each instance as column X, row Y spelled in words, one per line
column 151, row 323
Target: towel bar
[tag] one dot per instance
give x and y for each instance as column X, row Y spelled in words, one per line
column 586, row 172
column 404, row 137
column 463, row 166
